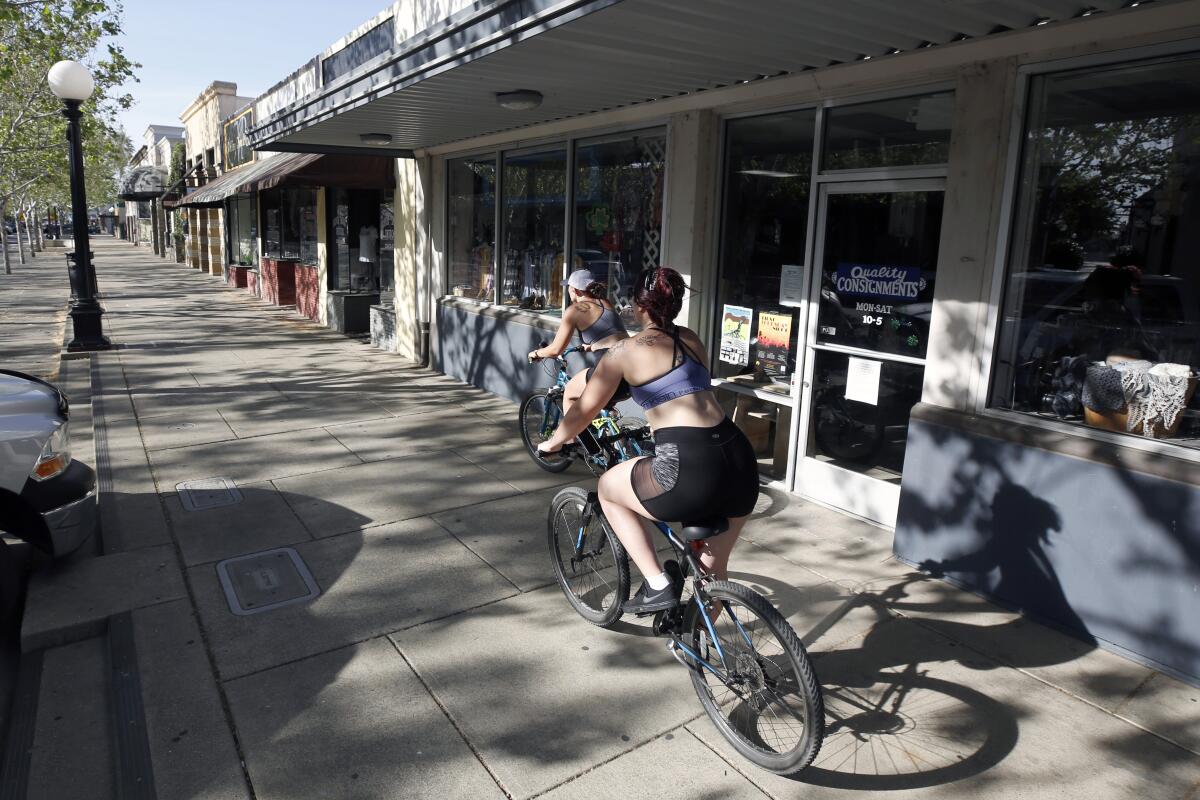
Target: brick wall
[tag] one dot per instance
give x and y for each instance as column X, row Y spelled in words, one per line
column 308, row 291
column 278, row 281
column 253, row 283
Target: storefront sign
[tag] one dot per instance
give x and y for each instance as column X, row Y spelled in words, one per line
column 237, row 139
column 791, row 285
column 735, row 335
column 773, row 343
column 862, row 380
column 879, row 281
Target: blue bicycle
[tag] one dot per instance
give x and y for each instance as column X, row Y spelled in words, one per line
column 609, row 439
column 748, row 667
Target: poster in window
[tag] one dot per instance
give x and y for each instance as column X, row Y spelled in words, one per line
column 735, row 335
column 773, row 342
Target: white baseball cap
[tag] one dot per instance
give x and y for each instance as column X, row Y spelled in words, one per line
column 580, row 279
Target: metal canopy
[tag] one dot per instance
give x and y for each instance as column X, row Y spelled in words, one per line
column 612, row 53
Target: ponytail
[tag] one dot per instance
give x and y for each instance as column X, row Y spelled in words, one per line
column 659, row 292
column 596, row 290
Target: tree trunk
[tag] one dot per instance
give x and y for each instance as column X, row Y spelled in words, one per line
column 39, row 243
column 20, row 241
column 29, row 233
column 4, row 236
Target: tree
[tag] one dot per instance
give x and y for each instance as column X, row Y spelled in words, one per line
column 34, row 34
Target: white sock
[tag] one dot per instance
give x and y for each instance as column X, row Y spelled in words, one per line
column 658, row 582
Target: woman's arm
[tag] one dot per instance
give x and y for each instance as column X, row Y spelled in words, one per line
column 562, row 337
column 600, row 387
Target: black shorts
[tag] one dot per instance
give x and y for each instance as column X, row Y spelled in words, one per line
column 697, row 473
column 622, row 392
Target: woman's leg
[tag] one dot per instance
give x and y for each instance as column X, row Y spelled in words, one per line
column 625, row 514
column 715, row 553
column 574, row 389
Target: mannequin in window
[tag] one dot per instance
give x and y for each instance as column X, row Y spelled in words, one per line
column 368, row 243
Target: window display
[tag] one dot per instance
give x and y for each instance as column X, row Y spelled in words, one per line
column 534, row 217
column 1101, row 316
column 471, row 228
column 768, row 173
column 290, row 224
column 618, row 214
column 355, row 218
column 767, row 185
column 241, row 230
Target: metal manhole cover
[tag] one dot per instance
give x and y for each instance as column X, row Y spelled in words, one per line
column 182, row 426
column 263, row 581
column 206, row 493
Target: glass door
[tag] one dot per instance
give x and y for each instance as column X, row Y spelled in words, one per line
column 872, row 294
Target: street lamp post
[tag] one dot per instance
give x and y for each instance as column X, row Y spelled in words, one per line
column 72, row 83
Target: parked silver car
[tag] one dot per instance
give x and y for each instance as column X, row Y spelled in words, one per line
column 47, row 498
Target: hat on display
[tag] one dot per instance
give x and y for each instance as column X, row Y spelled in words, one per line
column 580, row 279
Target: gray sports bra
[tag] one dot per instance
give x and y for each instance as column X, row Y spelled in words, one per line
column 607, row 324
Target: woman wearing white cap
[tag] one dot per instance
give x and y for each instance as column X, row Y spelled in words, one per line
column 594, row 318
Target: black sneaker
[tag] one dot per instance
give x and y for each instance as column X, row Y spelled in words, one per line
column 647, row 600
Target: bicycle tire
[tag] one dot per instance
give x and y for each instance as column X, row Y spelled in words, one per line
column 606, row 595
column 531, row 434
column 833, row 423
column 795, row 758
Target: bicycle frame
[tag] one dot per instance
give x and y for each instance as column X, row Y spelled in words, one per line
column 690, row 564
column 604, row 427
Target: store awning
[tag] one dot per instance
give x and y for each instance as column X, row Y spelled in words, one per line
column 143, row 183
column 295, row 169
column 440, row 85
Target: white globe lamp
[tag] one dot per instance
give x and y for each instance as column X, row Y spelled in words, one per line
column 70, row 80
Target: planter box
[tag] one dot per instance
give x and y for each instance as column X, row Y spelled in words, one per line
column 278, row 281
column 239, row 276
column 350, row 312
column 308, row 292
column 383, row 328
column 252, row 282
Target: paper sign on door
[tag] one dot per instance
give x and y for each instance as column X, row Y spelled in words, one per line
column 862, row 380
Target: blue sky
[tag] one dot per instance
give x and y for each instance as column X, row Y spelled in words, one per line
column 183, row 47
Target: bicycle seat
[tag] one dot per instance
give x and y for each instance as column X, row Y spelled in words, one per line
column 704, row 529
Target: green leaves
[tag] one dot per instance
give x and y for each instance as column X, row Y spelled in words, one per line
column 34, row 34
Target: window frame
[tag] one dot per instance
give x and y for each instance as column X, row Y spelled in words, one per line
column 995, row 288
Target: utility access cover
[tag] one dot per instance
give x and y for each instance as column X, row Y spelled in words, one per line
column 208, row 493
column 266, row 580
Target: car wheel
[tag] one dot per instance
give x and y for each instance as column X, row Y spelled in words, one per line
column 10, row 586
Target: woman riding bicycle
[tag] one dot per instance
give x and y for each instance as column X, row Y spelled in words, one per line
column 703, row 465
column 599, row 327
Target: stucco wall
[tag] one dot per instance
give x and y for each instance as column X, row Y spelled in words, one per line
column 1106, row 552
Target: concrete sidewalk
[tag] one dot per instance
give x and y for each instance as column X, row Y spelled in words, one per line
column 440, row 660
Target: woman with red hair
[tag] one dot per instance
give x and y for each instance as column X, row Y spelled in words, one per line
column 703, row 465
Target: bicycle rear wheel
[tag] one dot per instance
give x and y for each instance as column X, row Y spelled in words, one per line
column 538, row 418
column 764, row 697
column 591, row 566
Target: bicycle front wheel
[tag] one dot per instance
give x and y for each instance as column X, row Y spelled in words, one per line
column 756, row 684
column 538, row 418
column 589, row 562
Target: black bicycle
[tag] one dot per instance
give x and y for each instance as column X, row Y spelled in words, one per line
column 748, row 667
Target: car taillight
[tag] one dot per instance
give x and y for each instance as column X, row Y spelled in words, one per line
column 56, row 455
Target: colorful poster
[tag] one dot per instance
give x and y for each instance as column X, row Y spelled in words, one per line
column 735, row 335
column 773, row 343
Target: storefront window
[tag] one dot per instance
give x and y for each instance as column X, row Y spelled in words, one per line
column 618, row 214
column 471, row 227
column 768, row 169
column 387, row 244
column 290, row 217
column 354, row 219
column 241, row 230
column 534, row 221
column 1101, row 315
column 907, row 131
